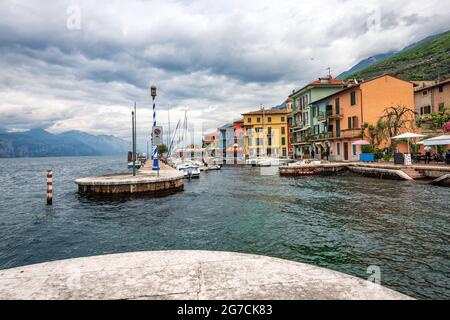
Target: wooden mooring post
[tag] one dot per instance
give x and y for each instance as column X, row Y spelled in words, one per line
column 49, row 187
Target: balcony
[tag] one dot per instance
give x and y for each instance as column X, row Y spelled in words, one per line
column 331, row 115
column 322, row 116
column 321, row 136
column 350, row 133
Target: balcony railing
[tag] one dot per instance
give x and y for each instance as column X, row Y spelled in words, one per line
column 321, row 116
column 321, row 136
column 332, row 115
column 350, row 133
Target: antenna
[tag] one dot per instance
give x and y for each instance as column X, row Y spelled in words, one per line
column 329, row 72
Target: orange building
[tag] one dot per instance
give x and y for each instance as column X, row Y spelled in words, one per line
column 362, row 103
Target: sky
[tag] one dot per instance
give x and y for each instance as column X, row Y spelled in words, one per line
column 81, row 65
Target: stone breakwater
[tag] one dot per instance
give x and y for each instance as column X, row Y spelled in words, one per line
column 189, row 274
column 146, row 181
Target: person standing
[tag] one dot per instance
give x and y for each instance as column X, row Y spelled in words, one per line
column 427, row 154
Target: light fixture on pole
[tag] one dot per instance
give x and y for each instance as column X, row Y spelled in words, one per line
column 154, row 147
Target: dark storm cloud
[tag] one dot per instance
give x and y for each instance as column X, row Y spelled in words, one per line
column 226, row 57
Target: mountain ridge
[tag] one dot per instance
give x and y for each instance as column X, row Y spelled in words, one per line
column 38, row 142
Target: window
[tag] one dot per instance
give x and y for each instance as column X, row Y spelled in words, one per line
column 316, row 129
column 282, row 119
column 249, row 131
column 283, row 141
column 283, row 130
column 337, row 106
column 269, row 119
column 441, row 107
column 352, row 122
column 424, row 92
column 269, row 141
column 354, row 150
column 338, row 148
column 250, row 142
column 441, row 88
column 258, row 119
column 338, row 128
column 269, row 151
column 284, row 152
column 269, row 131
column 259, row 141
column 249, row 120
column 352, row 98
column 425, row 110
column 258, row 130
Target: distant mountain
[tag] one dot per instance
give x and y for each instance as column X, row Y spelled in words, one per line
column 40, row 143
column 105, row 144
column 366, row 63
column 425, row 60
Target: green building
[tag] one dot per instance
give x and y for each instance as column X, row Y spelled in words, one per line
column 306, row 122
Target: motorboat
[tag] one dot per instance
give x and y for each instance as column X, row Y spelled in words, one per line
column 137, row 164
column 189, row 170
column 267, row 162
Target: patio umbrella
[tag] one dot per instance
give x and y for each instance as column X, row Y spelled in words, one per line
column 360, row 143
column 436, row 141
column 408, row 135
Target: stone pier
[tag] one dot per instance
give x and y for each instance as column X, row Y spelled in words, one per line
column 146, row 181
column 190, row 275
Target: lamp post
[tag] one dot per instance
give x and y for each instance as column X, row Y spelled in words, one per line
column 154, row 147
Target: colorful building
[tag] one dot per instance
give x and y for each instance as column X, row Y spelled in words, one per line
column 432, row 97
column 266, row 133
column 359, row 103
column 238, row 147
column 302, row 119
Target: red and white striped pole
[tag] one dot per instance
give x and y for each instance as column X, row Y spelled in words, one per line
column 49, row 187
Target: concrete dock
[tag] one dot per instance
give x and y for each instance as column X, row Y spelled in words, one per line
column 438, row 174
column 186, row 274
column 145, row 181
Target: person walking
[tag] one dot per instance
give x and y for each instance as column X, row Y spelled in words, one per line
column 427, row 154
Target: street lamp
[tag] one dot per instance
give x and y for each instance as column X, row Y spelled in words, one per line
column 154, row 147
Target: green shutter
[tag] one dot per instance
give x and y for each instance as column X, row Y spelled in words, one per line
column 353, row 98
column 337, row 106
column 283, row 141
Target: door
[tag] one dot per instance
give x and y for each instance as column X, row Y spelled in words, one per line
column 345, row 150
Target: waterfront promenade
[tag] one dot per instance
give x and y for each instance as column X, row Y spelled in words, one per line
column 186, row 274
column 437, row 173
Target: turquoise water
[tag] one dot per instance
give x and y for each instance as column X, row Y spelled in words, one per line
column 344, row 223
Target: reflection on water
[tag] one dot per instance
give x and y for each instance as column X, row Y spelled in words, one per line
column 345, row 223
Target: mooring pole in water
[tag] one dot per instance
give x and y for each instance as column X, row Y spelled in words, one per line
column 49, row 187
column 133, row 156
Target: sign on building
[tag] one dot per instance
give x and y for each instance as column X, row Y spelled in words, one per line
column 157, row 136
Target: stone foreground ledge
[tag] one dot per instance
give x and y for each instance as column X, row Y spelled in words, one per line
column 186, row 274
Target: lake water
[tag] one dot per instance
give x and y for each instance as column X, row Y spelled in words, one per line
column 344, row 223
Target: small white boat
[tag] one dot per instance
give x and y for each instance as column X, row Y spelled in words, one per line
column 189, row 170
column 267, row 162
column 137, row 164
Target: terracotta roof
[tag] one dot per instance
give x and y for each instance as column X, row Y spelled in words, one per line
column 267, row 111
column 330, row 82
column 433, row 85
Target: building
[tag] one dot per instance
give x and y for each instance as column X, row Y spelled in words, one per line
column 226, row 140
column 348, row 109
column 238, row 147
column 266, row 133
column 432, row 97
column 302, row 121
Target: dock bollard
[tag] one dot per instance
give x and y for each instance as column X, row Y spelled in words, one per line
column 49, row 187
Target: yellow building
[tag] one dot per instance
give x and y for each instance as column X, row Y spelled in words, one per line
column 266, row 133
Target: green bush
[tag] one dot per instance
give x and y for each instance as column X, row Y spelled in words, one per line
column 366, row 148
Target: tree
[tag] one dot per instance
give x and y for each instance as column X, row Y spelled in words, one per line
column 374, row 134
column 395, row 119
column 162, row 148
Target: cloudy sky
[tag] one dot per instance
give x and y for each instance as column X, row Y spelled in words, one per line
column 81, row 65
